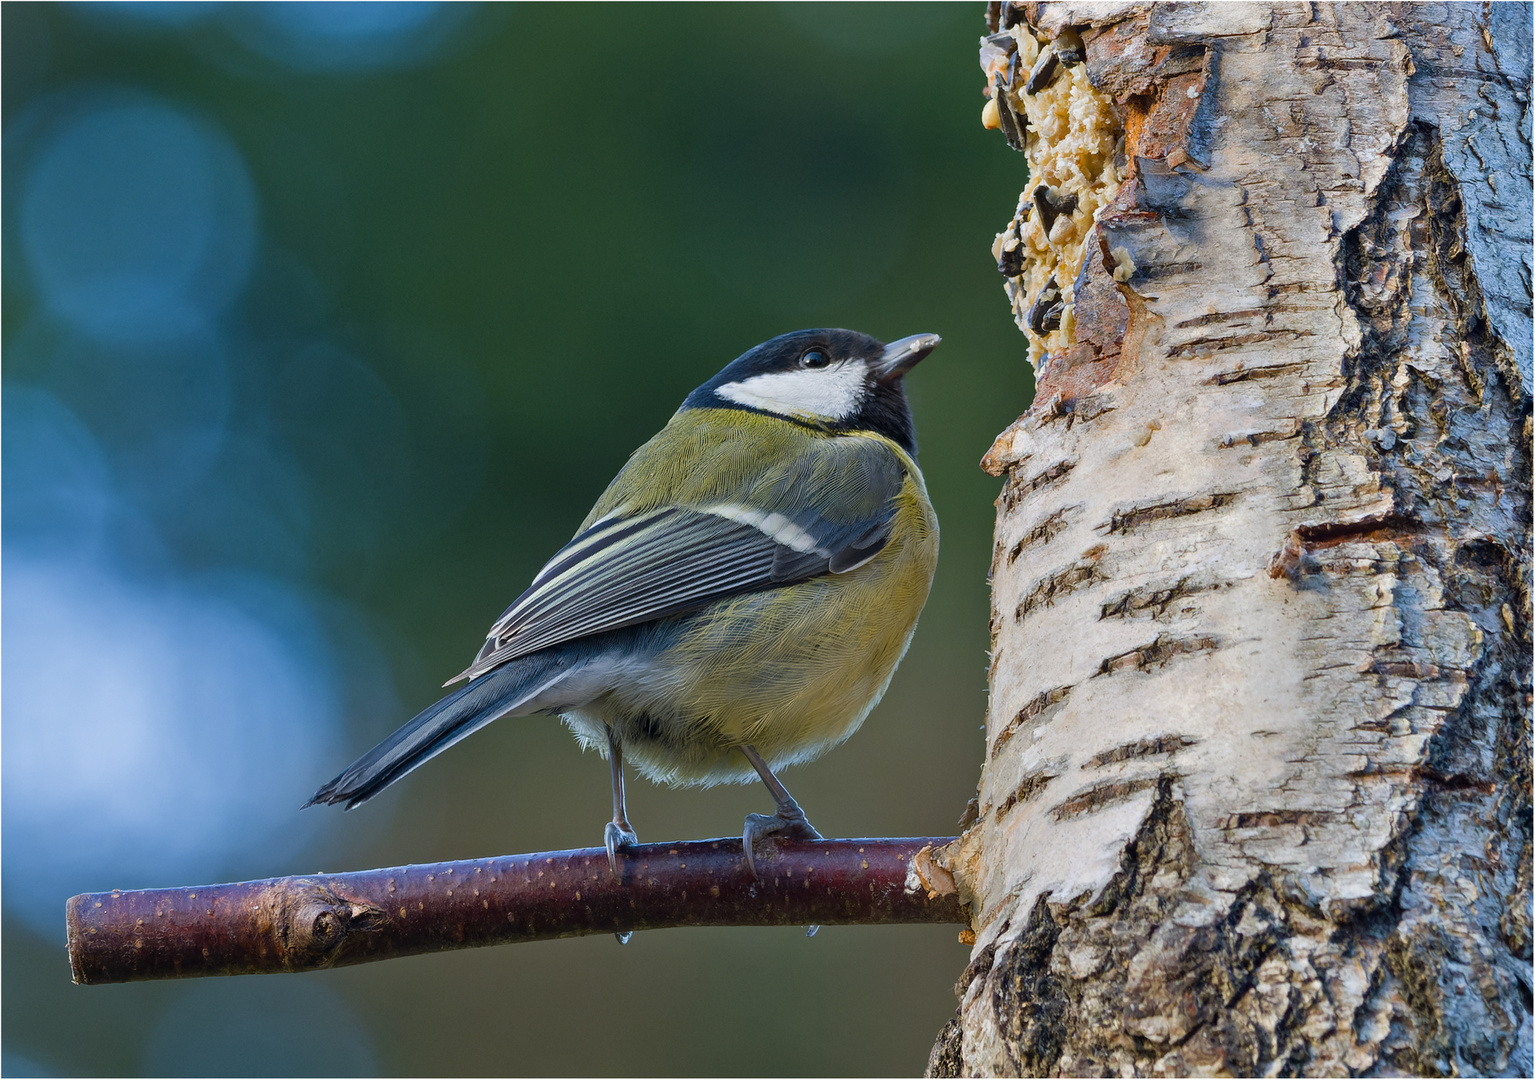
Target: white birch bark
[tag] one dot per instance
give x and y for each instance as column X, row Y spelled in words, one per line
column 1257, row 792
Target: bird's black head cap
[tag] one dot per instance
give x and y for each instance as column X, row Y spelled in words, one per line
column 835, row 380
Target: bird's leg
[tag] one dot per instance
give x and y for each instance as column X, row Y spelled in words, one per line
column 619, row 833
column 790, row 819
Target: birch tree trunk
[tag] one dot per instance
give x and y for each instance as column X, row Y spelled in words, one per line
column 1257, row 789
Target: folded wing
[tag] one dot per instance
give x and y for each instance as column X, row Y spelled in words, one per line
column 628, row 570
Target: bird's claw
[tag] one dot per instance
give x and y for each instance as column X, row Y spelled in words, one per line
column 793, row 825
column 615, row 838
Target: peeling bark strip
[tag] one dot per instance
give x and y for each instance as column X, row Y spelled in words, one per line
column 1257, row 798
column 1158, row 601
column 1166, row 744
column 334, row 920
column 1136, row 516
column 1042, row 533
column 1060, row 584
column 1037, row 711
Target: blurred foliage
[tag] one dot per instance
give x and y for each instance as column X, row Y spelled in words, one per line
column 492, row 252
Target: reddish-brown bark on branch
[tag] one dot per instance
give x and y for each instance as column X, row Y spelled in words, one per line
column 330, row 920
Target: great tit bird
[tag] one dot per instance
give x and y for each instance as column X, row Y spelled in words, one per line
column 737, row 600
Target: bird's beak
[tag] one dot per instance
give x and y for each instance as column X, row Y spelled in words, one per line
column 903, row 355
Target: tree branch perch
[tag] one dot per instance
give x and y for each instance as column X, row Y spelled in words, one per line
column 331, row 920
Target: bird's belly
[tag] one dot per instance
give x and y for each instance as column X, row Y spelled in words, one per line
column 792, row 671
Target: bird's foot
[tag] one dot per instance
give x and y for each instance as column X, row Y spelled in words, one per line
column 616, row 837
column 790, row 822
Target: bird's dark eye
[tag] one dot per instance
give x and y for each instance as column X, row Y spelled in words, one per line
column 815, row 358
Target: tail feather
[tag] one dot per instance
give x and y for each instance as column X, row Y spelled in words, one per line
column 439, row 726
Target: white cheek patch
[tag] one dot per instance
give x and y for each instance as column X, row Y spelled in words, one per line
column 832, row 392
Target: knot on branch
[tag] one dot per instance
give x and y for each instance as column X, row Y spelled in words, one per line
column 314, row 921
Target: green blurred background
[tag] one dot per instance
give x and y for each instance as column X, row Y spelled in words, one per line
column 322, row 330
